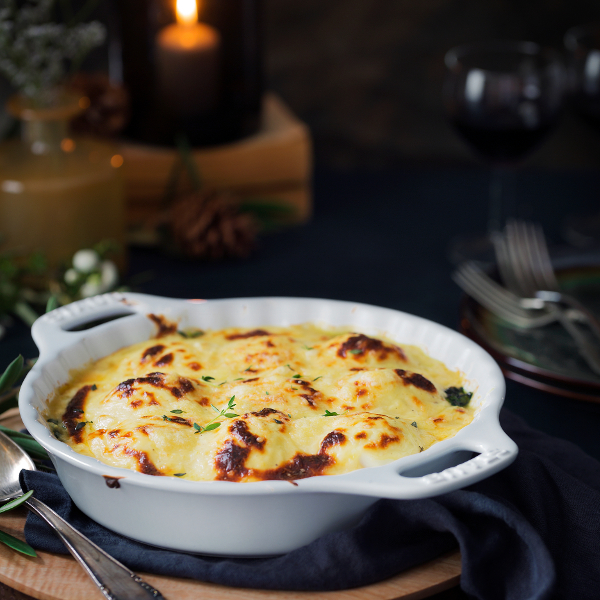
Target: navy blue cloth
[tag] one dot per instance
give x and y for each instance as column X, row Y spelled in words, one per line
column 531, row 532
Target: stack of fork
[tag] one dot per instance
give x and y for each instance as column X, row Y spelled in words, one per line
column 532, row 296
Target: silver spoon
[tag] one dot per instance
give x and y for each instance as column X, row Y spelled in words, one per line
column 113, row 579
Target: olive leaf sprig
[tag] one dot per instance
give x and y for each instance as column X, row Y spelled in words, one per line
column 213, row 423
column 9, row 540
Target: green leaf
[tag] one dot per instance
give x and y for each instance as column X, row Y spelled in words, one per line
column 330, row 414
column 319, row 377
column 458, row 396
column 190, row 333
column 11, row 374
column 231, row 402
column 414, row 424
column 52, row 303
column 177, row 411
column 212, row 426
column 178, row 474
column 356, row 351
column 14, row 503
column 15, row 544
column 207, row 378
column 296, row 376
column 197, row 428
column 231, row 415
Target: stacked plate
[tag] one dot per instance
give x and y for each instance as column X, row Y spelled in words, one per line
column 545, row 358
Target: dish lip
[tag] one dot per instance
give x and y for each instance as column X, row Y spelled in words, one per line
column 486, row 418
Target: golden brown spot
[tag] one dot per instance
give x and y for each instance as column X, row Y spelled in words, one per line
column 249, row 334
column 164, row 327
column 416, row 379
column 165, row 360
column 334, row 438
column 358, row 346
column 136, row 403
column 145, row 465
column 112, row 482
column 149, row 352
column 438, row 420
column 384, row 441
column 194, row 366
column 361, row 435
column 73, row 414
column 203, row 401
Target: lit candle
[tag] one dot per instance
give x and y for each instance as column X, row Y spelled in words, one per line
column 187, row 60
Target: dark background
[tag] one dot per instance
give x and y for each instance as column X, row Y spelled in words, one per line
column 367, row 75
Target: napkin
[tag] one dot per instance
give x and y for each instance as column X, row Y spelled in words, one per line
column 530, row 532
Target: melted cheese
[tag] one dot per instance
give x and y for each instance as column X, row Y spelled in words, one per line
column 303, row 401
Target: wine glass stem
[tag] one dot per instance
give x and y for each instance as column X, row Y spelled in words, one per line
column 502, row 198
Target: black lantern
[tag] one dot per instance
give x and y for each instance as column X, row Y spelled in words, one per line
column 191, row 69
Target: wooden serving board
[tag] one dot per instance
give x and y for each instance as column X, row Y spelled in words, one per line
column 59, row 577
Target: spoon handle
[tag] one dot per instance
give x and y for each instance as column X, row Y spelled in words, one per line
column 113, row 579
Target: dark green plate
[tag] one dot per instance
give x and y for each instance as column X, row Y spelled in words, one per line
column 546, row 358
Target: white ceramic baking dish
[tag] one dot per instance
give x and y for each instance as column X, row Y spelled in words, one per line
column 266, row 517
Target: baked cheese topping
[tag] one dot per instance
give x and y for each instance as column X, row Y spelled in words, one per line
column 255, row 404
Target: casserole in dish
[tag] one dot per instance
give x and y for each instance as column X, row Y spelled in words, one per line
column 261, row 517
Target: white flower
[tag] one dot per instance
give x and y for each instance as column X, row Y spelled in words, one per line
column 71, row 276
column 86, row 261
column 98, row 283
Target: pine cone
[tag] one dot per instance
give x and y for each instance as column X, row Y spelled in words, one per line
column 108, row 110
column 208, row 224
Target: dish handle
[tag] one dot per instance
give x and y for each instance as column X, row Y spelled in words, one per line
column 496, row 452
column 64, row 325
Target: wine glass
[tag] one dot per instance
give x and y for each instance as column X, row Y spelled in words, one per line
column 503, row 97
column 583, row 47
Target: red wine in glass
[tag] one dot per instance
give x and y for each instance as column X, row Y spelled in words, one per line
column 501, row 145
column 503, row 97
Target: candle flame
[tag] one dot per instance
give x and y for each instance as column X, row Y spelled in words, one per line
column 187, row 12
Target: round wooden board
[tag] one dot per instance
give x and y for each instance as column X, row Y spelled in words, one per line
column 59, row 577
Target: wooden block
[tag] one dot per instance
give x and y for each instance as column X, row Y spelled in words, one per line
column 273, row 164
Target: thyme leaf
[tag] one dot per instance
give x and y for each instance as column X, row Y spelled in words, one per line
column 213, row 423
column 190, row 333
column 330, row 414
column 177, row 411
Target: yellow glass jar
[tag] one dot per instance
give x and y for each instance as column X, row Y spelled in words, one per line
column 58, row 193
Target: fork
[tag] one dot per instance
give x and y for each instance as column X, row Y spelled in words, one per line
column 526, row 269
column 497, row 299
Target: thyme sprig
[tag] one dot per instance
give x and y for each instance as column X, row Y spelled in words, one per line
column 213, row 423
